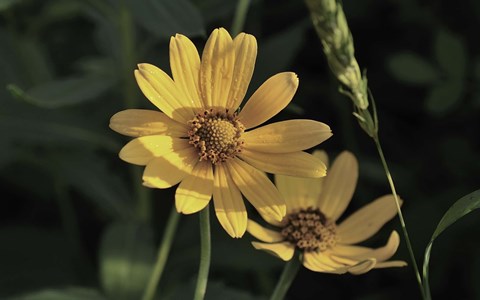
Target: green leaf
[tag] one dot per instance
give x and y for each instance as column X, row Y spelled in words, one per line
column 6, row 4
column 73, row 293
column 90, row 175
column 23, row 60
column 444, row 97
column 212, row 10
column 451, row 54
column 165, row 18
column 63, row 92
column 126, row 259
column 51, row 128
column 216, row 290
column 276, row 53
column 462, row 207
column 411, row 68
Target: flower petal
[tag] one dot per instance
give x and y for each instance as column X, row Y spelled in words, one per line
column 185, row 65
column 245, row 54
column 262, row 233
column 269, row 99
column 257, row 188
column 229, row 206
column 218, row 60
column 168, row 170
column 339, row 185
column 142, row 150
column 286, row 136
column 297, row 163
column 391, row 264
column 355, row 267
column 140, row 122
column 301, row 192
column 360, row 253
column 195, row 190
column 160, row 89
column 283, row 250
column 366, row 221
column 321, row 262
column 363, row 267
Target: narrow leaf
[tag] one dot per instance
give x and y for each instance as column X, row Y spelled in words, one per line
column 64, row 92
column 89, row 175
column 126, row 260
column 62, row 294
column 165, row 18
column 462, row 207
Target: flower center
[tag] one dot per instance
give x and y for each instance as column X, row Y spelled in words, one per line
column 216, row 135
column 309, row 230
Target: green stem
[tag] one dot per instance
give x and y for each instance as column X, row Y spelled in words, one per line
column 163, row 251
column 127, row 65
column 288, row 274
column 70, row 226
column 400, row 214
column 239, row 18
column 205, row 254
column 426, row 285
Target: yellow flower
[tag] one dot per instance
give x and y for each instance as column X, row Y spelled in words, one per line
column 200, row 139
column 313, row 208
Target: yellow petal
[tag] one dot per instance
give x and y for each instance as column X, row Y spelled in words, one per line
column 257, row 188
column 363, row 266
column 142, row 150
column 360, row 253
column 339, row 185
column 160, row 89
column 140, row 122
column 299, row 193
column 263, row 234
column 297, row 163
column 366, row 221
column 391, row 264
column 269, row 99
column 245, row 54
column 321, row 262
column 195, row 191
column 168, row 170
column 283, row 250
column 321, row 155
column 218, row 59
column 229, row 206
column 185, row 65
column 286, row 136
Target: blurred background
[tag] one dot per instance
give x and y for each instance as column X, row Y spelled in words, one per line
column 75, row 222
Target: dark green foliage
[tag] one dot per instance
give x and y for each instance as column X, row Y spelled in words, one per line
column 71, row 206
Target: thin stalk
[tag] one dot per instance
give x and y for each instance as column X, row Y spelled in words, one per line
column 289, row 272
column 205, row 254
column 163, row 251
column 239, row 18
column 127, row 65
column 71, row 230
column 400, row 214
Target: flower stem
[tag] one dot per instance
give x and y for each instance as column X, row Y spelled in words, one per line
column 289, row 272
column 126, row 64
column 163, row 251
column 400, row 214
column 205, row 253
column 240, row 15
